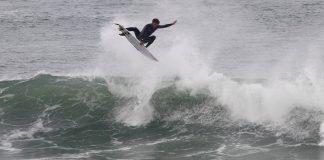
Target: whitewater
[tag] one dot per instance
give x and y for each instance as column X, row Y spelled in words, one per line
column 235, row 80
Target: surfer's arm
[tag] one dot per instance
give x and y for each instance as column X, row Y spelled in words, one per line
column 167, row 25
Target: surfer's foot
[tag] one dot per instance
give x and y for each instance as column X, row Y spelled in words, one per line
column 122, row 34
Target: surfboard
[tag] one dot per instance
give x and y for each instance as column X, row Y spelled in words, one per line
column 142, row 49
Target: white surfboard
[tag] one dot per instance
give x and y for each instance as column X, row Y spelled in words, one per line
column 136, row 43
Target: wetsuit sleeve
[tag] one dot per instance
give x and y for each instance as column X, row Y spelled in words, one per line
column 165, row 26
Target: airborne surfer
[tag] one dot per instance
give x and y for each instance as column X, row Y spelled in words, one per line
column 145, row 35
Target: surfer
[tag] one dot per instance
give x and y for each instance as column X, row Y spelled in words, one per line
column 145, row 35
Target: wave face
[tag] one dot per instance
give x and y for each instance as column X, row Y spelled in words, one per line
column 60, row 117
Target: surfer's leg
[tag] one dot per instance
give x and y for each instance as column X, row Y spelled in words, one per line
column 150, row 40
column 135, row 30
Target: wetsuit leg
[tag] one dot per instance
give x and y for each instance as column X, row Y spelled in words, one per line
column 135, row 30
column 150, row 40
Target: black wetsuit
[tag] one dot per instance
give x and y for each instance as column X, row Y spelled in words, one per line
column 145, row 35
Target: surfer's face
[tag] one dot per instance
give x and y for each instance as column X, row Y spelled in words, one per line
column 155, row 25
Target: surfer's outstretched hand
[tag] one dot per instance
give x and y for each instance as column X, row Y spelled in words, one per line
column 174, row 22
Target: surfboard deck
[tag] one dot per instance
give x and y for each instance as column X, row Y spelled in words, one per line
column 142, row 49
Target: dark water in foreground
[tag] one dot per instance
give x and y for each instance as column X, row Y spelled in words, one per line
column 50, row 117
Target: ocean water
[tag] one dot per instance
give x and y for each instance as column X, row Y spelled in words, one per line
column 236, row 80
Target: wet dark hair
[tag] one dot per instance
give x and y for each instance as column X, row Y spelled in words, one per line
column 155, row 20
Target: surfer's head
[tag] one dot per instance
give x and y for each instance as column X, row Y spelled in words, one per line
column 155, row 22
